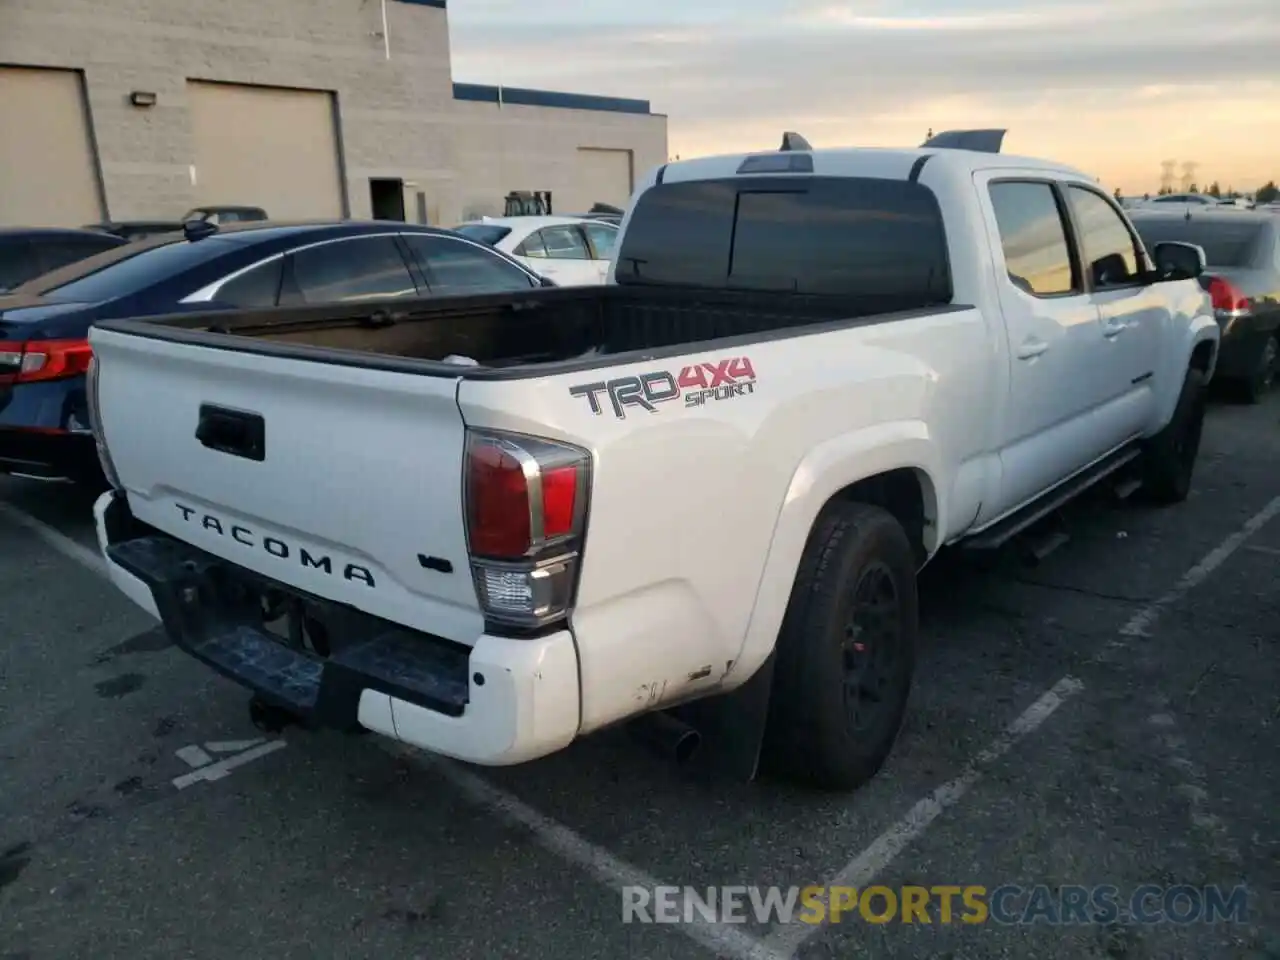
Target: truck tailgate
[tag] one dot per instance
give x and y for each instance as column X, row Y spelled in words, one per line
column 339, row 481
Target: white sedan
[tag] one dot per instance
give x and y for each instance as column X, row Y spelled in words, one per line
column 571, row 251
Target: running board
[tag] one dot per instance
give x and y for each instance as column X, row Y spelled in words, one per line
column 1002, row 532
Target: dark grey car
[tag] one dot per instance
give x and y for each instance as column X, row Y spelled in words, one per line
column 28, row 252
column 1242, row 249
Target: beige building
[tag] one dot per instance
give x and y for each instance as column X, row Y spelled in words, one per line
column 137, row 109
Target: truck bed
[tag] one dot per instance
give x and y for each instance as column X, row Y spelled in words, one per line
column 495, row 333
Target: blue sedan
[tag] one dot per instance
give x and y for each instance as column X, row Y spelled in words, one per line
column 44, row 324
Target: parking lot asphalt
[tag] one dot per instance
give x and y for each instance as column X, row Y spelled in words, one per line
column 1109, row 717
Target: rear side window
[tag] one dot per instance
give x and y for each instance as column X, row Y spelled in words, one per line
column 602, row 239
column 1033, row 237
column 873, row 238
column 1225, row 244
column 368, row 268
column 455, row 268
column 255, row 288
column 532, row 246
column 564, row 243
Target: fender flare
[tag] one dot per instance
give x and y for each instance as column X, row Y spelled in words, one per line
column 1200, row 329
column 825, row 471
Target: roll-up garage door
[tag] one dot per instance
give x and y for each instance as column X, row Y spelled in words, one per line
column 604, row 176
column 47, row 171
column 266, row 147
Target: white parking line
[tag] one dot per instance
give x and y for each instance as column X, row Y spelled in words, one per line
column 58, row 541
column 864, row 867
column 1140, row 623
column 223, row 768
column 554, row 837
column 873, row 860
column 725, row 940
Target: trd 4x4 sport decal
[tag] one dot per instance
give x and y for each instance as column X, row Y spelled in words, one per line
column 698, row 384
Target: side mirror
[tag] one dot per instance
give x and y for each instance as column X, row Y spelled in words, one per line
column 1178, row 261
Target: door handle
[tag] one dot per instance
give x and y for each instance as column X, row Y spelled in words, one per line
column 1113, row 328
column 1032, row 348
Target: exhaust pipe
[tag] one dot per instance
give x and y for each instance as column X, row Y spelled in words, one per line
column 667, row 735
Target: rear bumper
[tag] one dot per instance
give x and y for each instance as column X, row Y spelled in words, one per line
column 49, row 455
column 501, row 702
column 44, row 431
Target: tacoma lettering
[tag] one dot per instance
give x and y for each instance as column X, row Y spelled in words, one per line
column 274, row 546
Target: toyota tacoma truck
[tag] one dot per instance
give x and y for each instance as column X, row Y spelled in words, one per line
column 696, row 497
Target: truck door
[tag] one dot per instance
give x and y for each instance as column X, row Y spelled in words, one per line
column 1132, row 314
column 1052, row 328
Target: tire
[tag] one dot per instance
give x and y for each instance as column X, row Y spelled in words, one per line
column 1170, row 456
column 1259, row 384
column 823, row 729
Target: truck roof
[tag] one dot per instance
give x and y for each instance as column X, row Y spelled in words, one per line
column 891, row 162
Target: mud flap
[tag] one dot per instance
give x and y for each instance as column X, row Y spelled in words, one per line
column 732, row 725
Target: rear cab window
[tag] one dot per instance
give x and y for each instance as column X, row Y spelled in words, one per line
column 878, row 239
column 483, row 232
column 1225, row 244
column 125, row 270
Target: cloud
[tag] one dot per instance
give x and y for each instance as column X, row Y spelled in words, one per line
column 1114, row 84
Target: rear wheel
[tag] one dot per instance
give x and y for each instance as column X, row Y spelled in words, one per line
column 1170, row 457
column 846, row 651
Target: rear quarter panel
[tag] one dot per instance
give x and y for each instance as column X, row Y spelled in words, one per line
column 692, row 499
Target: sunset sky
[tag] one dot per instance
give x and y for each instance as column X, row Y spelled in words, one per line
column 1111, row 87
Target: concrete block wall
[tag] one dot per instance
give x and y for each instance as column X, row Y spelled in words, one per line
column 515, row 147
column 398, row 117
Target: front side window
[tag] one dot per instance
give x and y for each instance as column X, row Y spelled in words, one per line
column 455, row 268
column 1033, row 238
column 368, row 268
column 1107, row 247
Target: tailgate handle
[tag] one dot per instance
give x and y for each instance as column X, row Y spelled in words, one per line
column 232, row 431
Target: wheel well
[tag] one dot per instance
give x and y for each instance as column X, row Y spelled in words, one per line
column 906, row 493
column 1202, row 356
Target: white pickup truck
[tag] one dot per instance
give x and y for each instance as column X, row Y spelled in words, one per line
column 698, row 494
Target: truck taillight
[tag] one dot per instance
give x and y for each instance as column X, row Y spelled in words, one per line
column 95, row 424
column 526, row 510
column 37, row 360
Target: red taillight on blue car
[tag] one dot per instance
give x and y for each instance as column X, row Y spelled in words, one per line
column 526, row 511
column 41, row 360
